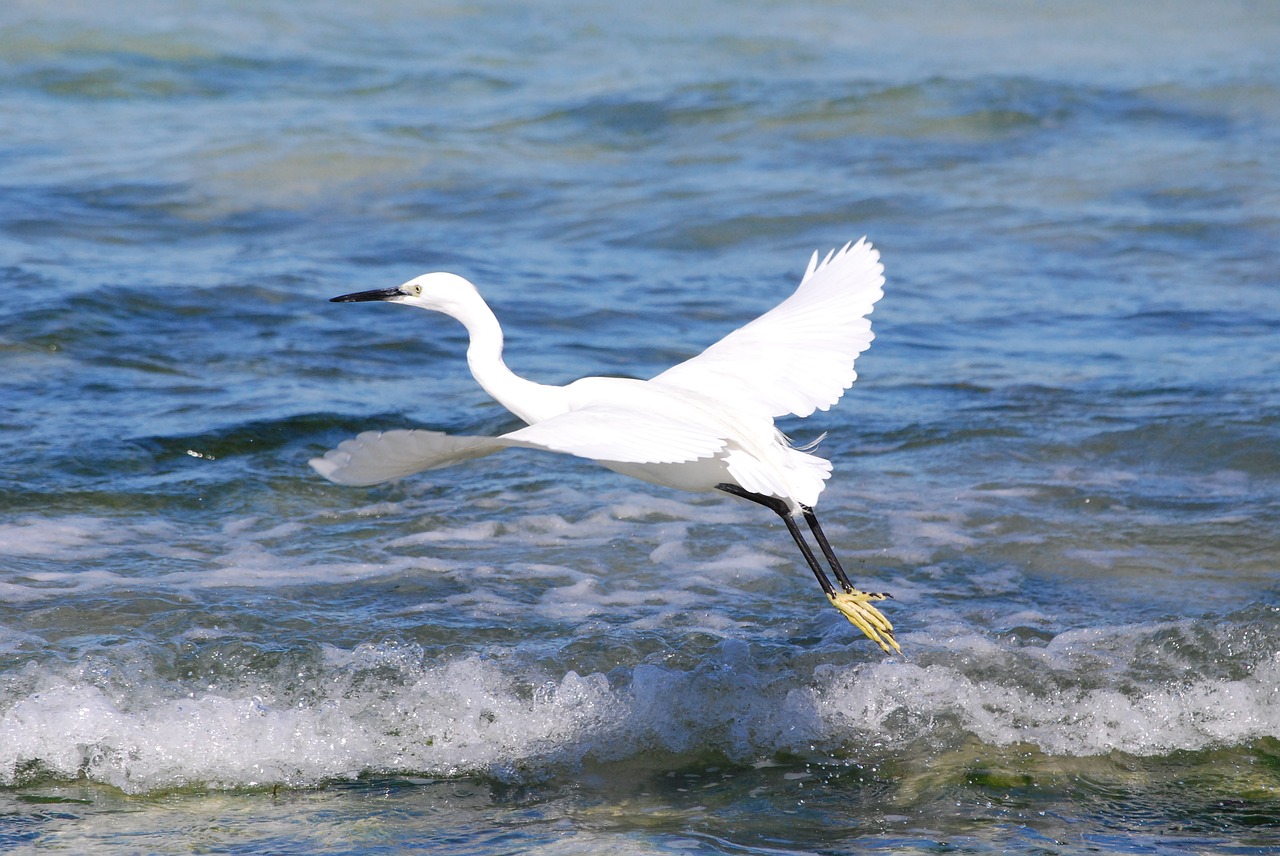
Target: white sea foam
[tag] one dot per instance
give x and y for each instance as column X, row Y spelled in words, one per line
column 462, row 716
column 391, row 708
column 386, row 708
column 1081, row 722
column 74, row 537
column 79, row 554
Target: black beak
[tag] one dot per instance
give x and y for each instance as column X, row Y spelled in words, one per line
column 363, row 296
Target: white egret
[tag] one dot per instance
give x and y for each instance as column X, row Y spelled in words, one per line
column 705, row 424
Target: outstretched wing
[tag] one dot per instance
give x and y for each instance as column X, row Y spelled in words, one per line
column 798, row 356
column 599, row 433
column 378, row 456
column 620, row 434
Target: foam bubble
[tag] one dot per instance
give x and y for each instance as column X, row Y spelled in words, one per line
column 1049, row 698
column 463, row 716
column 75, row 537
column 387, row 708
column 78, row 554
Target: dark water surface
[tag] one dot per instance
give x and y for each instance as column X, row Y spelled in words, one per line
column 1062, row 455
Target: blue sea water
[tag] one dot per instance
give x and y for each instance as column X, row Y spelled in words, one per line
column 1062, row 455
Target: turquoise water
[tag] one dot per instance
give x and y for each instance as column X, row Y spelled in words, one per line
column 1062, row 455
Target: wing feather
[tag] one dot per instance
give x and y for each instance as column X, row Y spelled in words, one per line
column 374, row 457
column 621, row 434
column 599, row 433
column 797, row 357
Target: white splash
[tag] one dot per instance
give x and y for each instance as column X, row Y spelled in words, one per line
column 385, row 708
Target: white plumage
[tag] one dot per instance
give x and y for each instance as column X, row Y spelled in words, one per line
column 704, row 424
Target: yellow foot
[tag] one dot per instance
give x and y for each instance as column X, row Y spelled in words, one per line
column 856, row 606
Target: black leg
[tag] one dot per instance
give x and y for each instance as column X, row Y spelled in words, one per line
column 780, row 508
column 825, row 546
column 853, row 604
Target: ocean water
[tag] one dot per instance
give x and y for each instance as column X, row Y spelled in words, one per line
column 1062, row 455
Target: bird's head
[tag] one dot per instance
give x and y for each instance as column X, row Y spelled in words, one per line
column 440, row 292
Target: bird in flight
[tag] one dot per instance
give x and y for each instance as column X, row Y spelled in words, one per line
column 705, row 424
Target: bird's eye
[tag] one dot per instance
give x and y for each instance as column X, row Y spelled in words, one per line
column 415, row 290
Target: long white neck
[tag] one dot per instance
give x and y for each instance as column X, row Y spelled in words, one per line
column 532, row 402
